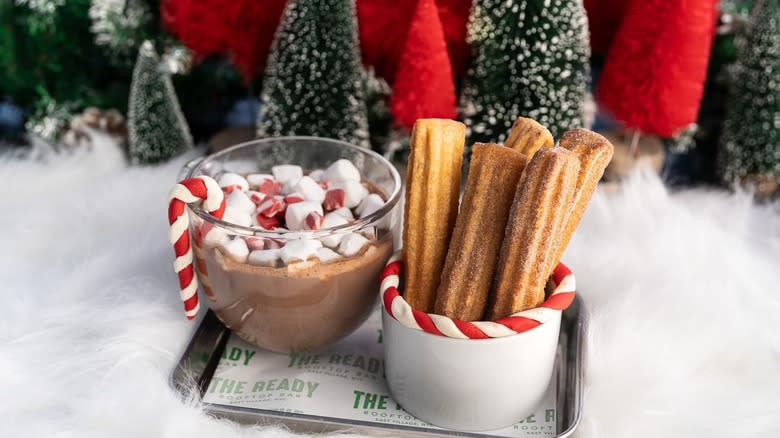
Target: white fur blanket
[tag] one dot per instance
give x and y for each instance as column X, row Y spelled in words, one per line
column 682, row 290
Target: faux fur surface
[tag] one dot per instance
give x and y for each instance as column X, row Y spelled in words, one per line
column 682, row 291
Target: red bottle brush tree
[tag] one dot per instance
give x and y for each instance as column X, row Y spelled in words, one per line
column 424, row 85
column 604, row 17
column 384, row 26
column 654, row 74
column 454, row 15
column 240, row 29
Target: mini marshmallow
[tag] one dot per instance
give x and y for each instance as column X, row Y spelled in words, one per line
column 286, row 172
column 292, row 268
column 342, row 170
column 271, row 206
column 271, row 243
column 265, row 257
column 354, row 192
column 345, row 213
column 333, row 240
column 267, row 223
column 255, row 179
column 237, row 217
column 256, row 197
column 240, row 201
column 351, row 244
column 316, row 174
column 270, row 187
column 326, row 254
column 334, row 199
column 237, row 249
column 370, row 204
column 292, row 198
column 215, row 237
column 229, row 181
column 333, row 220
column 296, row 214
column 255, row 243
column 289, row 186
column 310, row 189
column 313, row 221
column 299, row 250
column 203, row 226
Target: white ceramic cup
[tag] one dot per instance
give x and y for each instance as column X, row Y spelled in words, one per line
column 469, row 384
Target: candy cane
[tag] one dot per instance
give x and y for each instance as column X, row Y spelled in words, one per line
column 398, row 308
column 201, row 188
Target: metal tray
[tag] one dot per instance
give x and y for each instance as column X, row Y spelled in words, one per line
column 204, row 351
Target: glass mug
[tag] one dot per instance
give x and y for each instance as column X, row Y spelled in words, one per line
column 305, row 305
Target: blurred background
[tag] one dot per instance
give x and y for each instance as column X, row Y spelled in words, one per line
column 690, row 89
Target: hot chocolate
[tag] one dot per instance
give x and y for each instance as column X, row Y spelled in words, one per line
column 306, row 276
column 298, row 307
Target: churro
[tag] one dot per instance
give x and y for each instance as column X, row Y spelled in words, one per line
column 542, row 200
column 594, row 153
column 528, row 136
column 479, row 229
column 432, row 190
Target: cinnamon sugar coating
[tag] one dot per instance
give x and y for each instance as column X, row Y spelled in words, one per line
column 528, row 136
column 540, row 207
column 479, row 229
column 432, row 192
column 594, row 153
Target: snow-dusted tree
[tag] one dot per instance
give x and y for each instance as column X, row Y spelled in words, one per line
column 313, row 84
column 120, row 26
column 157, row 129
column 750, row 143
column 530, row 59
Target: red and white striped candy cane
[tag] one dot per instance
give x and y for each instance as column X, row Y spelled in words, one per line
column 397, row 307
column 199, row 189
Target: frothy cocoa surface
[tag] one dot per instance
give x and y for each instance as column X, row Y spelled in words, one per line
column 303, row 306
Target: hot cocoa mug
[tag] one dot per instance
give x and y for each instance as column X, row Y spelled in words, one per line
column 300, row 306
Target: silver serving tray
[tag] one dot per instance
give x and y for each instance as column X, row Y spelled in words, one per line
column 204, row 351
